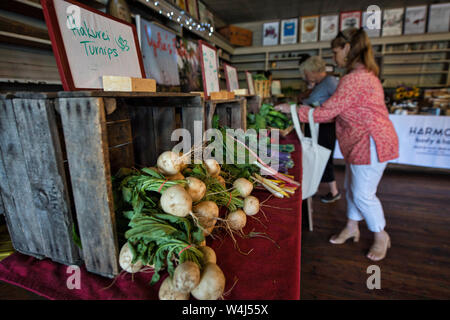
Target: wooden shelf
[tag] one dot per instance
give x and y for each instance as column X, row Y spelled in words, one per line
column 249, row 61
column 421, row 86
column 388, row 53
column 285, row 68
column 416, row 62
column 285, row 59
column 413, row 72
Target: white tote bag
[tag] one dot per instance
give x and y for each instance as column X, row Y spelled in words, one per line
column 314, row 156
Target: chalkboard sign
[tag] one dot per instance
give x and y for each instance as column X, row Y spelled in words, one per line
column 250, row 84
column 231, row 77
column 209, row 68
column 89, row 44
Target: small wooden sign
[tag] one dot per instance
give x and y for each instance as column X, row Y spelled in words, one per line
column 128, row 84
column 222, row 95
column 231, row 77
column 210, row 73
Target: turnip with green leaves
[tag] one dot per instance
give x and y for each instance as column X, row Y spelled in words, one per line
column 126, row 258
column 168, row 292
column 196, row 188
column 212, row 283
column 244, row 187
column 207, row 213
column 251, row 205
column 176, row 201
column 212, row 167
column 169, row 163
column 209, row 256
column 236, row 220
column 186, row 276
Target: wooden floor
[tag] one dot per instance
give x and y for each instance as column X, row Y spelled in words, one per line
column 417, row 267
column 417, row 211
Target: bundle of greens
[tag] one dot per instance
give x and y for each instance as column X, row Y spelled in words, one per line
column 161, row 240
column 268, row 117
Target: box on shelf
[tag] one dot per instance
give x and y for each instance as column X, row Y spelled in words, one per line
column 262, row 88
column 241, row 92
column 222, row 95
column 128, row 84
column 237, row 36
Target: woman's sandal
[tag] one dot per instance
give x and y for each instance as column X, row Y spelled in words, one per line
column 379, row 250
column 344, row 236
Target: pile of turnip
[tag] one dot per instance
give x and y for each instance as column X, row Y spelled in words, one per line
column 196, row 192
column 205, row 282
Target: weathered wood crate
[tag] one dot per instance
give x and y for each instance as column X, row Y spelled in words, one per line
column 34, row 184
column 232, row 113
column 102, row 132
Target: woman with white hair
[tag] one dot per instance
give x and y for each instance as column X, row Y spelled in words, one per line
column 324, row 86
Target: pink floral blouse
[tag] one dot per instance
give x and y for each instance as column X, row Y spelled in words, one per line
column 360, row 112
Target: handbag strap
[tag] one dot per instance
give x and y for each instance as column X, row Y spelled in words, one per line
column 313, row 127
column 294, row 115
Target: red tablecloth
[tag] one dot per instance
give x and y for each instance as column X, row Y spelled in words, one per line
column 266, row 273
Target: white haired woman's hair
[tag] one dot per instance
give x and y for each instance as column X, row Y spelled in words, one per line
column 313, row 64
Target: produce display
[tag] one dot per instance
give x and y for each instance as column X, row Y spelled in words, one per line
column 171, row 208
column 268, row 117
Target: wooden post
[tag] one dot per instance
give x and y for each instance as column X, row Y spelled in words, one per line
column 84, row 124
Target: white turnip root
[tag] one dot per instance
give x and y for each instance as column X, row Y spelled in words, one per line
column 237, row 220
column 208, row 231
column 125, row 258
column 212, row 167
column 209, row 256
column 168, row 292
column 169, row 163
column 251, row 205
column 176, row 201
column 244, row 187
column 206, row 212
column 186, row 276
column 196, row 188
column 212, row 283
column 184, row 161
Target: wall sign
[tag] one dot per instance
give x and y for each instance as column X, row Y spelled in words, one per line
column 231, row 77
column 350, row 19
column 375, row 19
column 393, row 22
column 159, row 54
column 209, row 68
column 89, row 44
column 310, row 29
column 329, row 27
column 415, row 19
column 270, row 33
column 439, row 19
column 289, row 31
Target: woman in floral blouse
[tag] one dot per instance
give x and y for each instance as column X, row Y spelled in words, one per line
column 366, row 136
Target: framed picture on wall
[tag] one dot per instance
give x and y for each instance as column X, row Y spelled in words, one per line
column 181, row 4
column 329, row 27
column 375, row 20
column 192, row 9
column 350, row 19
column 115, row 51
column 271, row 33
column 289, row 31
column 439, row 18
column 209, row 68
column 231, row 77
column 309, row 29
column 415, row 19
column 393, row 22
column 250, row 83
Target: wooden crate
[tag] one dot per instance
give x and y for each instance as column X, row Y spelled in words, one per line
column 262, row 88
column 105, row 131
column 232, row 113
column 237, row 36
column 34, row 183
column 100, row 132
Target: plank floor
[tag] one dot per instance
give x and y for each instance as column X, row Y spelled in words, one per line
column 417, row 211
column 417, row 266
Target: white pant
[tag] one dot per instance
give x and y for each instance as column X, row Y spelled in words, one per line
column 361, row 182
